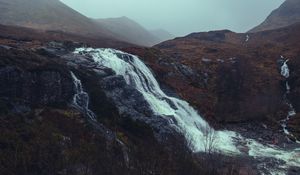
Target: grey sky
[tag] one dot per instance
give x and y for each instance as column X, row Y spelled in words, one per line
column 181, row 17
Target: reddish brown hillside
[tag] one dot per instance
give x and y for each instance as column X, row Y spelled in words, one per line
column 26, row 34
column 229, row 77
column 287, row 14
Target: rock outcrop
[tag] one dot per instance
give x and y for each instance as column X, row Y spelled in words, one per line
column 36, row 87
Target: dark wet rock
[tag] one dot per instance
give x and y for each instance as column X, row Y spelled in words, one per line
column 54, row 49
column 294, row 171
column 5, row 47
column 110, row 92
column 131, row 104
column 185, row 70
column 214, row 36
column 35, row 87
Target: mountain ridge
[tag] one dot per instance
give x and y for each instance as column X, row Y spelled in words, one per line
column 54, row 15
column 287, row 14
column 48, row 15
column 129, row 30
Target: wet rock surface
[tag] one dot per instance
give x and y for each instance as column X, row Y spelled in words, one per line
column 35, row 87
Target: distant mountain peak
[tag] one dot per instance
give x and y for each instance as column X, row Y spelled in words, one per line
column 53, row 15
column 131, row 31
column 48, row 15
column 287, row 14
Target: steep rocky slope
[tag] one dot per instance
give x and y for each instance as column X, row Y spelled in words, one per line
column 230, row 77
column 288, row 13
column 129, row 30
column 48, row 134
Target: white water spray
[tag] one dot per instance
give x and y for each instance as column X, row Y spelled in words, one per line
column 187, row 120
column 81, row 102
column 81, row 98
column 285, row 72
column 247, row 38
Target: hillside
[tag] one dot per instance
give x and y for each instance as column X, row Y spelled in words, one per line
column 129, row 31
column 48, row 15
column 77, row 98
column 288, row 13
column 231, row 77
column 40, row 36
column 162, row 34
column 46, row 119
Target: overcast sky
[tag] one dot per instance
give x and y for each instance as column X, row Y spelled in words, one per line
column 181, row 17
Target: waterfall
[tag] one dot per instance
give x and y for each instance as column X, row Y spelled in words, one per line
column 81, row 99
column 185, row 119
column 285, row 72
column 188, row 122
column 81, row 102
column 247, row 38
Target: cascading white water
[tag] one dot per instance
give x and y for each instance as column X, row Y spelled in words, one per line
column 247, row 38
column 81, row 102
column 136, row 73
column 81, row 98
column 285, row 72
column 187, row 120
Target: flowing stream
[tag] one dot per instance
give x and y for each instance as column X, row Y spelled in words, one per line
column 81, row 102
column 81, row 99
column 185, row 119
column 285, row 72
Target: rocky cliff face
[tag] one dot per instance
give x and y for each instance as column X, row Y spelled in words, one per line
column 33, row 82
column 36, row 87
column 287, row 14
column 48, row 135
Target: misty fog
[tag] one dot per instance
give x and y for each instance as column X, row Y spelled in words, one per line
column 181, row 17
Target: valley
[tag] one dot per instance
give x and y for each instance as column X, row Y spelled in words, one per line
column 108, row 96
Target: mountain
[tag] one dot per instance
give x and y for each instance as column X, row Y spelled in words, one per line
column 129, row 31
column 162, row 34
column 288, row 13
column 48, row 15
column 53, row 15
